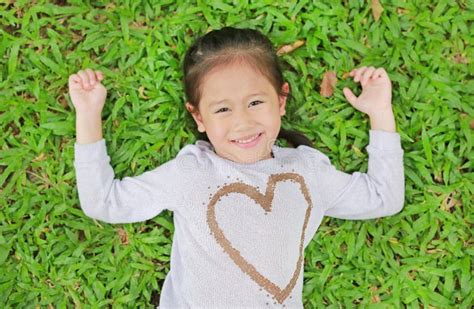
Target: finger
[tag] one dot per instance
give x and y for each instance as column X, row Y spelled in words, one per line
column 84, row 78
column 349, row 95
column 91, row 74
column 353, row 72
column 367, row 74
column 74, row 78
column 99, row 75
column 380, row 72
column 358, row 73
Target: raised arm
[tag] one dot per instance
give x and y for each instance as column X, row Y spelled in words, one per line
column 101, row 196
column 381, row 191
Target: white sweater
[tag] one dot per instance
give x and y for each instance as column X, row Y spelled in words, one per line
column 241, row 229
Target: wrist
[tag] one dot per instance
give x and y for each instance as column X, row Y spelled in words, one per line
column 88, row 114
column 383, row 120
column 88, row 128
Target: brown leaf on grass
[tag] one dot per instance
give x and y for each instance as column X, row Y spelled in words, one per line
column 50, row 283
column 401, row 11
column 285, row 49
column 346, row 75
column 76, row 36
column 328, row 84
column 41, row 157
column 62, row 100
column 471, row 122
column 458, row 58
column 375, row 299
column 123, row 236
column 141, row 92
column 435, row 250
column 138, row 25
column 449, row 202
column 376, row 9
column 439, row 179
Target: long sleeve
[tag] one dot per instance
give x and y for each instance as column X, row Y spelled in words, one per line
column 132, row 199
column 379, row 192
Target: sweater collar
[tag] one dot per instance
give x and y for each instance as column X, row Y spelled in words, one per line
column 207, row 147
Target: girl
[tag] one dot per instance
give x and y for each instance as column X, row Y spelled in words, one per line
column 244, row 208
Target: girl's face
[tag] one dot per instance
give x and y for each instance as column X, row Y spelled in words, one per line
column 239, row 104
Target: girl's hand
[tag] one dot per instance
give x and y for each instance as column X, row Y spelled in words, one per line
column 86, row 92
column 376, row 96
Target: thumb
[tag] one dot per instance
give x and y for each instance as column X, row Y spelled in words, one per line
column 349, row 95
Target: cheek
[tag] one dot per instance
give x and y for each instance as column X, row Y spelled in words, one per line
column 217, row 130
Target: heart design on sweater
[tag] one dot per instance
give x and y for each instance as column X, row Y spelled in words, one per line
column 265, row 201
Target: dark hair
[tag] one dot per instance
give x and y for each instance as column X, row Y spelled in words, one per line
column 221, row 47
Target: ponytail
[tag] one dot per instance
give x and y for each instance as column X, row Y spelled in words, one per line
column 294, row 138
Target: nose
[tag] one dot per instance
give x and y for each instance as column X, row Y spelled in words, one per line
column 243, row 119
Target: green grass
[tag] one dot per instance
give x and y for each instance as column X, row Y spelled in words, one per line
column 52, row 254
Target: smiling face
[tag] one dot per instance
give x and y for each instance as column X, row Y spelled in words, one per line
column 240, row 111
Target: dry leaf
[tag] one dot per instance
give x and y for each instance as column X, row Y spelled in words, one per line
column 141, row 92
column 50, row 283
column 436, row 250
column 285, row 49
column 376, row 9
column 401, row 11
column 449, row 202
column 123, row 236
column 375, row 299
column 458, row 58
column 346, row 75
column 62, row 100
column 328, row 84
column 138, row 25
column 41, row 157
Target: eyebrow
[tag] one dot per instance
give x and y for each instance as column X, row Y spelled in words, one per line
column 249, row 96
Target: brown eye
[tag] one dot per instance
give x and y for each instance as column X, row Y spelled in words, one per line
column 219, row 110
column 256, row 101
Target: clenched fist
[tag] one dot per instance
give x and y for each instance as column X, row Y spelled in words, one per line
column 86, row 92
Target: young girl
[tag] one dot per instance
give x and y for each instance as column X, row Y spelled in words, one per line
column 244, row 208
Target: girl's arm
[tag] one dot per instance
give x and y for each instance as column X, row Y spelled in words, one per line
column 127, row 200
column 381, row 191
column 101, row 196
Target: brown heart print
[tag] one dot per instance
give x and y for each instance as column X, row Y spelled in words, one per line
column 265, row 201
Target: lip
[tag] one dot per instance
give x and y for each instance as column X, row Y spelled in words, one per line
column 251, row 144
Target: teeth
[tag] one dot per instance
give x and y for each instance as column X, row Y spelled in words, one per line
column 247, row 141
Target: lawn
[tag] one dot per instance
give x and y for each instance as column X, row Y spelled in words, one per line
column 53, row 255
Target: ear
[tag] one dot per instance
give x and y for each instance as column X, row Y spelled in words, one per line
column 197, row 117
column 282, row 99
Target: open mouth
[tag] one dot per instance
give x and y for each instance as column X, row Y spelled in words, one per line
column 248, row 142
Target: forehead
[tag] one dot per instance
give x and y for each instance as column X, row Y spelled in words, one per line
column 236, row 81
